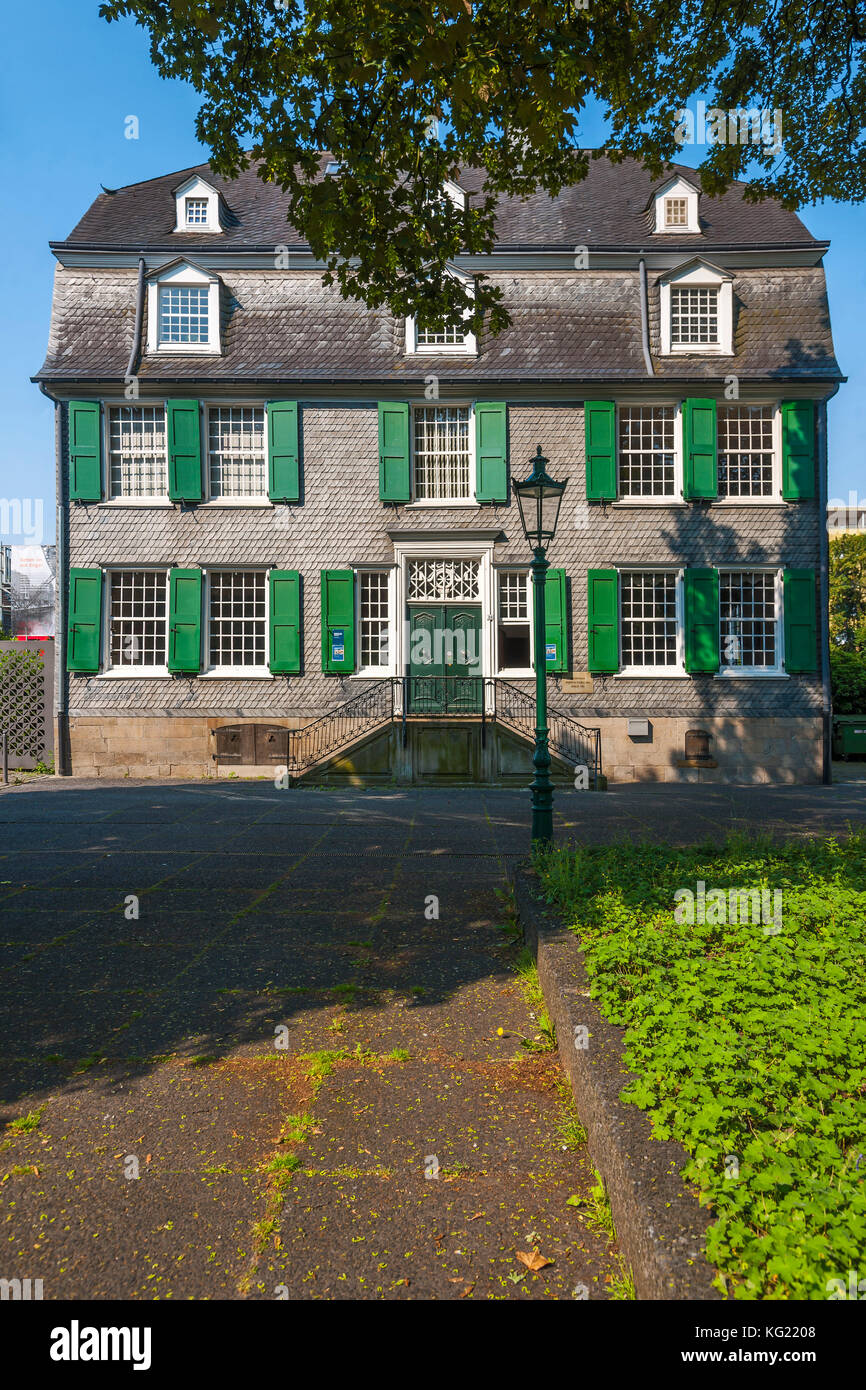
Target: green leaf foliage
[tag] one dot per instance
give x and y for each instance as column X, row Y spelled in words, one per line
column 748, row 1048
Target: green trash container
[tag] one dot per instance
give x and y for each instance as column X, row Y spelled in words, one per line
column 849, row 735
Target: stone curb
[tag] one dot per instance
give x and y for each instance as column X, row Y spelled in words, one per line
column 660, row 1224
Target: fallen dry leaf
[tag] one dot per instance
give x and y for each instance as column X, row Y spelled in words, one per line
column 475, row 1216
column 467, row 1291
column 533, row 1260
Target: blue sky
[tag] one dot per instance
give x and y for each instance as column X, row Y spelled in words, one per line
column 62, row 135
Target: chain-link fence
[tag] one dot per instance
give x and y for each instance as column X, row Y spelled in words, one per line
column 27, row 702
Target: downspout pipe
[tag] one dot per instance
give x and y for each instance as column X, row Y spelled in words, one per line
column 644, row 319
column 61, row 730
column 139, row 316
column 824, row 591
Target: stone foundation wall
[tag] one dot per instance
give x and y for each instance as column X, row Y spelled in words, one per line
column 769, row 749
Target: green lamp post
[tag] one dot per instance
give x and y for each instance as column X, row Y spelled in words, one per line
column 538, row 498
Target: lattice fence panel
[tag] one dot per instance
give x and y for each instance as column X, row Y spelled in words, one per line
column 24, row 704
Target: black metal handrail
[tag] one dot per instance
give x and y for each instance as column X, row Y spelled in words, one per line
column 487, row 698
column 567, row 738
column 367, row 711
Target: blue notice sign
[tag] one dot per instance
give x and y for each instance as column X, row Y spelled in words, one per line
column 550, row 651
column 338, row 644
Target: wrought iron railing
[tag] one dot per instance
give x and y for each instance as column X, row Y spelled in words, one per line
column 367, row 711
column 404, row 697
column 573, row 742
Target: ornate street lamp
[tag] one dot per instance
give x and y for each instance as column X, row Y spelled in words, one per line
column 538, row 498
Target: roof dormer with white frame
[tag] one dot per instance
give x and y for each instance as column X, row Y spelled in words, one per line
column 696, row 310
column 183, row 310
column 433, row 342
column 197, row 206
column 676, row 207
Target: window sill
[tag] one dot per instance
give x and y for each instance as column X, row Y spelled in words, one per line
column 426, row 503
column 750, row 502
column 755, row 675
column 526, row 674
column 374, row 673
column 184, row 350
column 155, row 673
column 139, row 502
column 626, row 502
column 655, row 673
column 234, row 673
column 215, row 503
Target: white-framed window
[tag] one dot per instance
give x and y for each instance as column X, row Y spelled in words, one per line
column 196, row 212
column 513, row 622
column 441, row 340
column 649, row 453
column 442, row 453
column 137, row 620
column 237, row 621
column 374, row 621
column 750, row 621
column 197, row 206
column 183, row 314
column 676, row 213
column 237, row 453
column 137, row 459
column 183, row 310
column 696, row 304
column 694, row 316
column 676, row 207
column 749, row 450
column 651, row 626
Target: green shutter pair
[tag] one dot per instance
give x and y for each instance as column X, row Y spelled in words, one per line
column 700, row 454
column 491, row 452
column 185, row 451
column 184, row 621
column 701, row 620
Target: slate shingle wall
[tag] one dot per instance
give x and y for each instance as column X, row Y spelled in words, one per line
column 342, row 522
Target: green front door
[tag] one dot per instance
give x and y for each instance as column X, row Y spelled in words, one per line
column 445, row 659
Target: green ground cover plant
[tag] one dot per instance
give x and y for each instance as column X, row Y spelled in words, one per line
column 746, row 1042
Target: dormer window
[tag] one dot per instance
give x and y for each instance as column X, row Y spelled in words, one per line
column 197, row 207
column 696, row 305
column 196, row 212
column 183, row 310
column 438, row 338
column 675, row 207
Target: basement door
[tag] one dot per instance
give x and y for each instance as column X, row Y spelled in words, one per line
column 445, row 659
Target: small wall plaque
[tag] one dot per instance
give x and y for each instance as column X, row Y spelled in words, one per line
column 577, row 683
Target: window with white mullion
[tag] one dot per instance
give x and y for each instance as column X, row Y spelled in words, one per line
column 374, row 619
column 676, row 212
column 749, row 620
column 137, row 451
column 441, row 337
column 647, row 450
column 746, row 450
column 137, row 618
column 442, row 453
column 694, row 316
column 196, row 211
column 649, row 619
column 513, row 628
column 183, row 314
column 236, row 451
column 237, row 619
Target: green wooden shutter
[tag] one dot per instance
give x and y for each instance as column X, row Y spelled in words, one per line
column 801, row 625
column 556, row 621
column 491, row 452
column 184, row 621
column 284, row 482
column 285, row 616
column 85, row 620
column 599, row 433
column 702, row 620
column 798, row 449
column 700, row 467
column 394, row 451
column 184, row 451
column 338, row 621
column 85, row 451
column 603, row 619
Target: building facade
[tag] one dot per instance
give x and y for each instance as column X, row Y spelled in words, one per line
column 288, row 533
